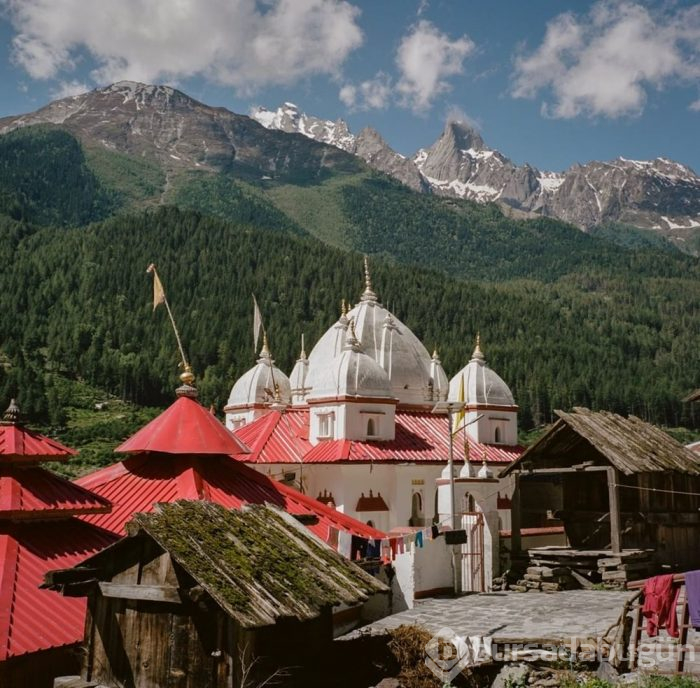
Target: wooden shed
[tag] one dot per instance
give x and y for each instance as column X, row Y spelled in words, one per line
column 198, row 596
column 623, row 484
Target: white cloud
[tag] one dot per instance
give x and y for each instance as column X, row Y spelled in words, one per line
column 456, row 114
column 426, row 57
column 66, row 89
column 605, row 62
column 241, row 43
column 373, row 94
column 695, row 105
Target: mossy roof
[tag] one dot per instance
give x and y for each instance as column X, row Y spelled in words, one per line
column 258, row 563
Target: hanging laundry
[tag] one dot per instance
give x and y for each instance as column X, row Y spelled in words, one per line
column 419, row 539
column 692, row 590
column 374, row 548
column 358, row 548
column 407, row 542
column 660, row 600
column 394, row 544
column 434, row 532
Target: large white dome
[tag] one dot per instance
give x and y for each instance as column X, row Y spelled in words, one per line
column 352, row 373
column 261, row 383
column 392, row 345
column 481, row 384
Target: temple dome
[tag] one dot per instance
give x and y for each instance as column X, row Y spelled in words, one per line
column 351, row 373
column 389, row 343
column 481, row 384
column 261, row 383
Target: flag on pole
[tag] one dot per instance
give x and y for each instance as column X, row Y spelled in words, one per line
column 158, row 291
column 257, row 324
column 459, row 416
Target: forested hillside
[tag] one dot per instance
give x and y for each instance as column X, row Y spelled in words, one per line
column 76, row 302
column 566, row 318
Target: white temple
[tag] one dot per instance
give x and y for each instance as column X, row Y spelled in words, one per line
column 354, row 425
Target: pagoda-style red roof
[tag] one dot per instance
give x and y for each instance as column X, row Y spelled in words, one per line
column 184, row 428
column 421, row 437
column 32, row 619
column 17, row 444
column 189, row 468
column 37, row 533
column 30, row 492
column 136, row 484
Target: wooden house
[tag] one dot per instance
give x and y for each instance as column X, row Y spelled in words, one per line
column 199, row 596
column 621, row 483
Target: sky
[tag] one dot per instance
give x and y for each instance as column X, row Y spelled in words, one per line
column 548, row 82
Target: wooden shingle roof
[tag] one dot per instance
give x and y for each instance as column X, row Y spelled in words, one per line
column 629, row 444
column 258, row 563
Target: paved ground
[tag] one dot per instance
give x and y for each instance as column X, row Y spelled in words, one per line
column 513, row 617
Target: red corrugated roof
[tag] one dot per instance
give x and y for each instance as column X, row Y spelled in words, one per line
column 19, row 444
column 276, row 437
column 32, row 619
column 32, row 492
column 140, row 482
column 184, row 427
column 421, row 437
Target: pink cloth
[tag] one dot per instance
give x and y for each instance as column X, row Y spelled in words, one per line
column 660, row 600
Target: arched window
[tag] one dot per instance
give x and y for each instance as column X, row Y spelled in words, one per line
column 469, row 505
column 416, row 510
column 497, row 435
column 370, row 427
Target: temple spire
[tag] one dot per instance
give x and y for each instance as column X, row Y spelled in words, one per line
column 478, row 353
column 368, row 294
column 11, row 414
column 302, row 353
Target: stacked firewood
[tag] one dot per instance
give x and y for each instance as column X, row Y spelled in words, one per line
column 618, row 569
column 545, row 579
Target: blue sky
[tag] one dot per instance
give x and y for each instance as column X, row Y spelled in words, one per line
column 548, row 82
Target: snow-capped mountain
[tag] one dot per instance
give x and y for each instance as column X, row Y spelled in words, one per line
column 165, row 124
column 652, row 194
column 368, row 144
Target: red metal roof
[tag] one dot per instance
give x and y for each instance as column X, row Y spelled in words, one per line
column 19, row 444
column 138, row 483
column 276, row 437
column 28, row 492
column 32, row 619
column 185, row 427
column 421, row 437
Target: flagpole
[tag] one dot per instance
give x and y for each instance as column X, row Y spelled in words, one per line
column 152, row 268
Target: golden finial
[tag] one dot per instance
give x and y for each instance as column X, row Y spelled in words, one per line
column 302, row 354
column 187, row 376
column 265, row 351
column 435, row 354
column 343, row 307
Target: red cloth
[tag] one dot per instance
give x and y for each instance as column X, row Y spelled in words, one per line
column 660, row 600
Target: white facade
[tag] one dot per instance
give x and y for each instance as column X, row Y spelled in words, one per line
column 363, row 369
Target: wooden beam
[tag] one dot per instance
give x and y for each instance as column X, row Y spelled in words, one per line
column 581, row 468
column 515, row 541
column 614, row 504
column 146, row 593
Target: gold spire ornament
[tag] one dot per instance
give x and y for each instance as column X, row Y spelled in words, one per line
column 478, row 353
column 368, row 294
column 160, row 298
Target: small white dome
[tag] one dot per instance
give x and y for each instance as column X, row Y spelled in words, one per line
column 261, row 383
column 386, row 340
column 351, row 373
column 481, row 384
column 467, row 470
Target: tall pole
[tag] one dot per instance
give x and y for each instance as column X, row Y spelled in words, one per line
column 450, row 464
